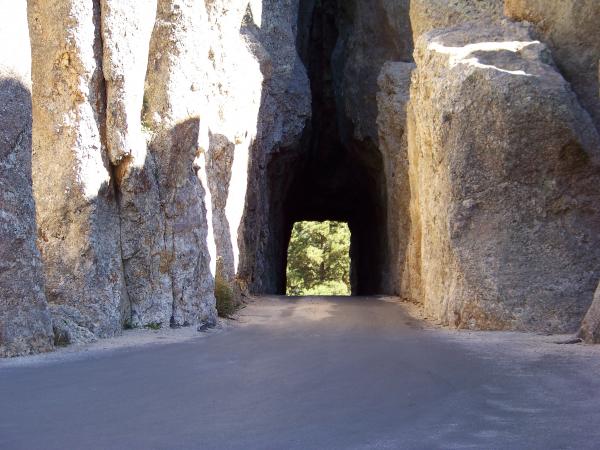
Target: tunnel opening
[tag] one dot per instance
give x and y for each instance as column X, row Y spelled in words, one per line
column 318, row 259
column 330, row 175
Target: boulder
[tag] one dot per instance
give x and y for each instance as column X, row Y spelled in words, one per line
column 505, row 167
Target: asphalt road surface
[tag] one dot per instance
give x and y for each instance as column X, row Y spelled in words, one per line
column 310, row 373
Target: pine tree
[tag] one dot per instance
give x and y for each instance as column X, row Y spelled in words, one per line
column 319, row 259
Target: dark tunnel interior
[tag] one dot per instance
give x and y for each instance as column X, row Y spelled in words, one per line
column 332, row 176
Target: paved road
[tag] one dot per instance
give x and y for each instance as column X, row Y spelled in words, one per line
column 310, row 374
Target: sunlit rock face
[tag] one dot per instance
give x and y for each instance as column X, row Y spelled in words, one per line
column 236, row 65
column 505, row 169
column 126, row 28
column 126, row 32
column 174, row 114
column 162, row 199
column 25, row 325
column 78, row 222
column 570, row 29
column 427, row 15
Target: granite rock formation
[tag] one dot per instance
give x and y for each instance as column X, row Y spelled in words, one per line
column 506, row 167
column 77, row 212
column 166, row 140
column 570, row 29
column 25, row 325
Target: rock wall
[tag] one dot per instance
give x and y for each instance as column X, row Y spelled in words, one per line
column 25, row 325
column 392, row 120
column 236, row 67
column 173, row 113
column 570, row 29
column 427, row 15
column 285, row 109
column 175, row 138
column 126, row 31
column 371, row 35
column 77, row 211
column 505, row 162
column 123, row 226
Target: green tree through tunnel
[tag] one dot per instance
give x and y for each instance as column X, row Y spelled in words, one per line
column 319, row 259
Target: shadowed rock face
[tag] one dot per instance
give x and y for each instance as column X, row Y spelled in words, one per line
column 170, row 134
column 25, row 325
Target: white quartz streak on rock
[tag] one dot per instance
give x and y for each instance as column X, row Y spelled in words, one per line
column 464, row 55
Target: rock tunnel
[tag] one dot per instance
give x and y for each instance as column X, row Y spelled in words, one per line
column 329, row 175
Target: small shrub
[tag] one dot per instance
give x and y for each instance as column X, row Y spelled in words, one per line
column 224, row 295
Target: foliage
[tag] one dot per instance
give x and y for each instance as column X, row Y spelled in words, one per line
column 226, row 304
column 319, row 259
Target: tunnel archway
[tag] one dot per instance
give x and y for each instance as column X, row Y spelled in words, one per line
column 331, row 175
